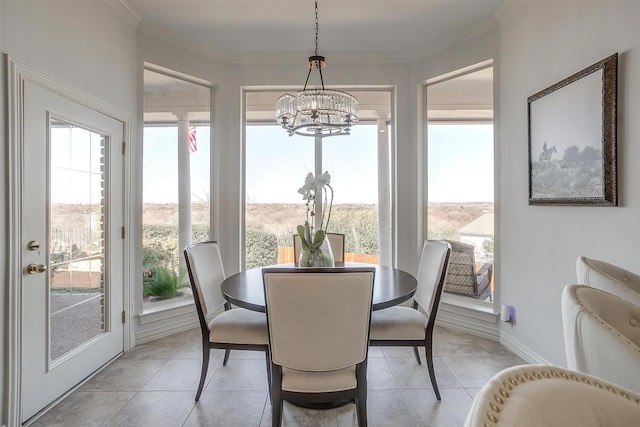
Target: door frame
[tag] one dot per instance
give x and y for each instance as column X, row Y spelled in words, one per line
column 17, row 74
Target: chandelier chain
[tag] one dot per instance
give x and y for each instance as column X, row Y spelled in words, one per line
column 316, row 27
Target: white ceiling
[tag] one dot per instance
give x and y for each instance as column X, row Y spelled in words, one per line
column 242, row 30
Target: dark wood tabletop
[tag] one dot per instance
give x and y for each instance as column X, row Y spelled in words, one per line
column 391, row 286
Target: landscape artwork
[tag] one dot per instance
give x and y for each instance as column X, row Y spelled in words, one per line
column 572, row 139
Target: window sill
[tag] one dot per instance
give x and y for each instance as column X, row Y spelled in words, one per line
column 152, row 312
column 468, row 303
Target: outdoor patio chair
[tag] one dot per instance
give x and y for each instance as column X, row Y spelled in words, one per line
column 463, row 278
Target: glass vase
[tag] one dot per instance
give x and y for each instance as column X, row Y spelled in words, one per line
column 322, row 257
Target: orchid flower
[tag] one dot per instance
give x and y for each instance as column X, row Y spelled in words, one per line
column 312, row 186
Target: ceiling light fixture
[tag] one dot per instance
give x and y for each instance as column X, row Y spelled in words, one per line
column 317, row 112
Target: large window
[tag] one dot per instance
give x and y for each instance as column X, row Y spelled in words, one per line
column 460, row 177
column 276, row 166
column 176, row 180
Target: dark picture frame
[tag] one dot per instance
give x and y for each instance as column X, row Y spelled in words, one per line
column 573, row 141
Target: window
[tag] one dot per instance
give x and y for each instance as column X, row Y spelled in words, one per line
column 176, row 180
column 460, row 177
column 276, row 166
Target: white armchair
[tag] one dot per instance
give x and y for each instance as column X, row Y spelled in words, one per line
column 549, row 396
column 608, row 277
column 602, row 335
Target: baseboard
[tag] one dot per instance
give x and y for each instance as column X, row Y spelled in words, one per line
column 521, row 350
column 482, row 322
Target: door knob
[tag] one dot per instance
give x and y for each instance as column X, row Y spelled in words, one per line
column 36, row 268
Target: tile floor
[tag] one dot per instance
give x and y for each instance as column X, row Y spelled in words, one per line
column 154, row 385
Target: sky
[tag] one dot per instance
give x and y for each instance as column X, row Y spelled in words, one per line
column 460, row 165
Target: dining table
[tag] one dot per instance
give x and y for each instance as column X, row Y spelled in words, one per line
column 391, row 286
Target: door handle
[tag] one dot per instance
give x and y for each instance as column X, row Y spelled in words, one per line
column 36, row 268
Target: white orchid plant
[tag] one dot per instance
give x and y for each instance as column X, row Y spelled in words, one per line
column 315, row 187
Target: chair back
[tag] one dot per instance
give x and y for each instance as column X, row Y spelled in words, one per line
column 431, row 275
column 602, row 336
column 318, row 318
column 550, row 396
column 608, row 277
column 462, row 277
column 206, row 274
column 336, row 241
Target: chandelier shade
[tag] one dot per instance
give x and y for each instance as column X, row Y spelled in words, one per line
column 317, row 112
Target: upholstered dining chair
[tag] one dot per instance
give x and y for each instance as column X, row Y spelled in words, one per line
column 409, row 326
column 318, row 320
column 231, row 329
column 550, row 396
column 336, row 240
column 609, row 278
column 602, row 335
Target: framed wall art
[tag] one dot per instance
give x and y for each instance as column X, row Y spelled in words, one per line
column 572, row 139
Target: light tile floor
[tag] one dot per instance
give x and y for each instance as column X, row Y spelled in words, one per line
column 154, row 385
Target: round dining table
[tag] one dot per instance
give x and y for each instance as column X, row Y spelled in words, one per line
column 391, row 286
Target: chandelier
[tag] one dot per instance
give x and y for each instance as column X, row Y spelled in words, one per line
column 317, row 112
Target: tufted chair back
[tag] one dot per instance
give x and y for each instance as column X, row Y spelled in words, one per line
column 602, row 335
column 608, row 277
column 550, row 396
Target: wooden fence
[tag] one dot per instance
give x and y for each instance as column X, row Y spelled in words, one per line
column 286, row 255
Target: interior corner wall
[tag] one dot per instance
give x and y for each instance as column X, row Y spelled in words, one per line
column 4, row 280
column 541, row 44
column 85, row 44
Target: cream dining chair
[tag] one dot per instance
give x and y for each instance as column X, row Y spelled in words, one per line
column 318, row 321
column 602, row 335
column 609, row 278
column 336, row 240
column 406, row 326
column 233, row 328
column 550, row 396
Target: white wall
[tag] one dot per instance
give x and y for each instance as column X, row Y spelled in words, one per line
column 85, row 44
column 541, row 44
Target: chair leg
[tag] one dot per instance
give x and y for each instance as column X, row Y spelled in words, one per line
column 227, row 352
column 276, row 397
column 361, row 407
column 429, row 354
column 205, row 367
column 361, row 396
column 417, row 355
column 268, row 357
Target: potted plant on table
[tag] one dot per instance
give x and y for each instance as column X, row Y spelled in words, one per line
column 316, row 250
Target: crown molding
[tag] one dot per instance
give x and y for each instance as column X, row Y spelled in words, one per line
column 126, row 11
column 332, row 58
column 162, row 33
column 439, row 45
column 507, row 10
column 178, row 40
